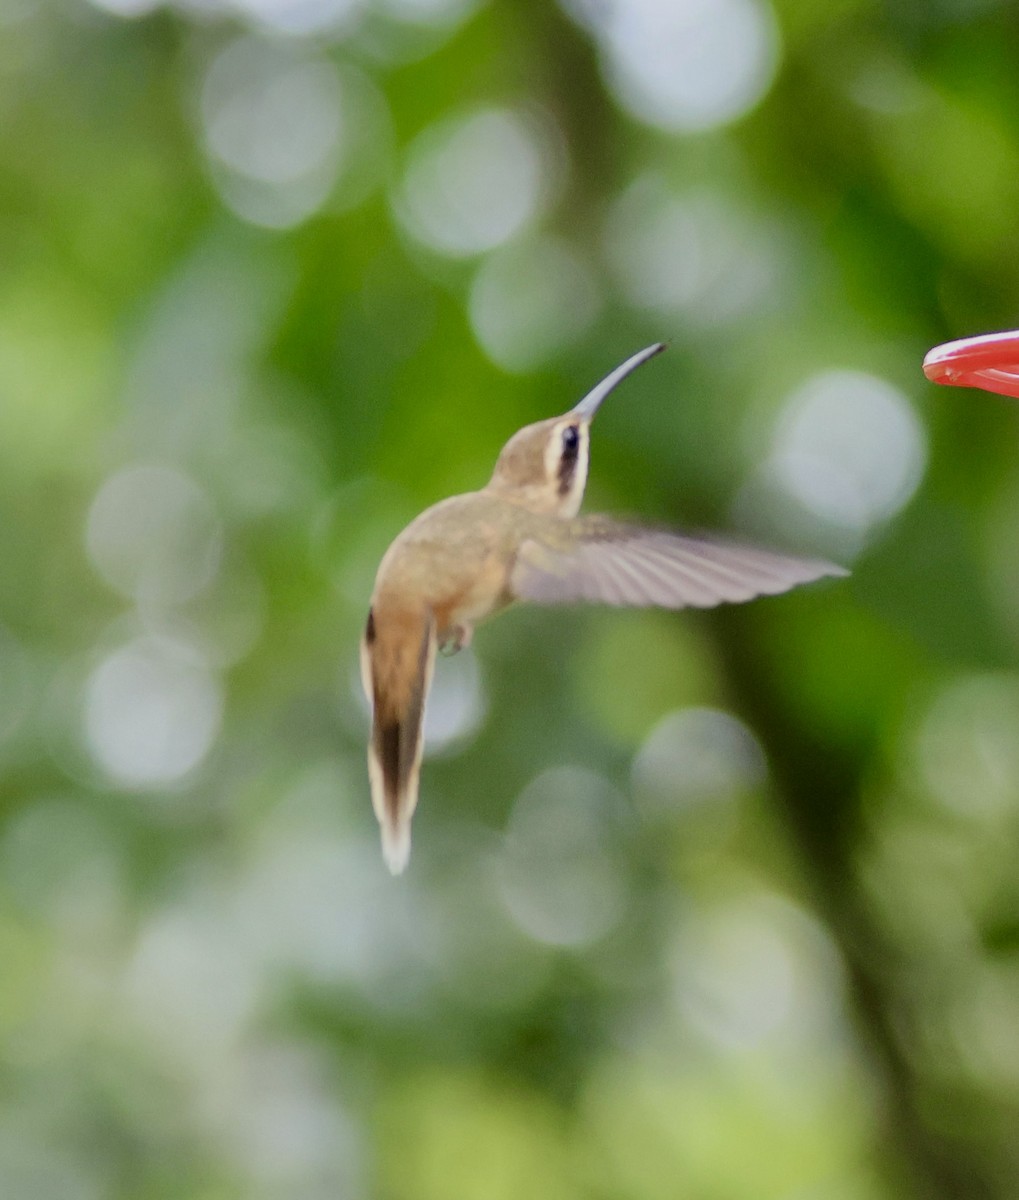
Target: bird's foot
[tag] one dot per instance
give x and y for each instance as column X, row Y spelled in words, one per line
column 457, row 638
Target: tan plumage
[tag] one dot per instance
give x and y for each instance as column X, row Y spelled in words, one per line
column 519, row 538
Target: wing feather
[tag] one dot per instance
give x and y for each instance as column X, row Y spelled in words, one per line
column 657, row 579
column 627, row 565
column 700, row 583
column 736, row 576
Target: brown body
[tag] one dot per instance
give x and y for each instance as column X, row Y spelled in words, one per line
column 448, row 570
column 520, row 538
column 454, row 561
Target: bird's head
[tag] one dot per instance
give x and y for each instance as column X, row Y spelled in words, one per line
column 544, row 466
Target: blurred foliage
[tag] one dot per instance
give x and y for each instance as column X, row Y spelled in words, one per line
column 714, row 906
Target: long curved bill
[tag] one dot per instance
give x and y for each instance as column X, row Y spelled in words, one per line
column 591, row 402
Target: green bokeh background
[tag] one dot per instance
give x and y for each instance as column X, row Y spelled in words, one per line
column 702, row 906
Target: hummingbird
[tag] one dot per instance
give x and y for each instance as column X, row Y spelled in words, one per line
column 520, row 539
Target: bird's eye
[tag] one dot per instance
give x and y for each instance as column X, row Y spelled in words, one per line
column 571, row 439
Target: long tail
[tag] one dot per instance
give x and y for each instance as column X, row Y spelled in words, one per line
column 397, row 660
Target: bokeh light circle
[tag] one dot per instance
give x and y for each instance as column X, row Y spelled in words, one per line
column 152, row 712
column 472, row 182
column 689, row 65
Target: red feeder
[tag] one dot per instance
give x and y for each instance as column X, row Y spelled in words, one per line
column 990, row 361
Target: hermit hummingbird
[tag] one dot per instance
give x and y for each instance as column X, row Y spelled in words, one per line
column 519, row 538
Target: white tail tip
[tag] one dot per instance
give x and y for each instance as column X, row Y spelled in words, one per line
column 396, row 846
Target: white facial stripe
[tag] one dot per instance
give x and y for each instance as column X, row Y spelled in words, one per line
column 554, row 451
column 569, row 505
column 580, row 478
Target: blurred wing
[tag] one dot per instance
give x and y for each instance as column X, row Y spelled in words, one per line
column 629, row 566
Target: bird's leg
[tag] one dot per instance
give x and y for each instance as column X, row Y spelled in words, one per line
column 456, row 639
